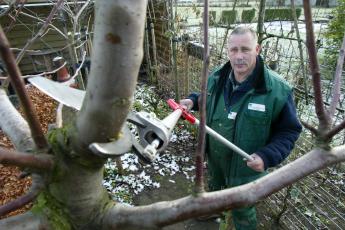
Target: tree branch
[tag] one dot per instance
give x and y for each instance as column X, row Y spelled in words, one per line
column 76, row 17
column 26, row 221
column 41, row 30
column 335, row 130
column 36, row 188
column 310, row 127
column 112, row 78
column 200, row 150
column 19, row 86
column 34, row 161
column 50, row 25
column 269, row 35
column 14, row 125
column 324, row 119
column 160, row 214
column 337, row 79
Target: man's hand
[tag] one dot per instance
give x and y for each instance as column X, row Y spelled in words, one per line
column 186, row 104
column 256, row 164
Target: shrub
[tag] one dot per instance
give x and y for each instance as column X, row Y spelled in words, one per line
column 281, row 14
column 248, row 15
column 335, row 33
column 212, row 17
column 228, row 17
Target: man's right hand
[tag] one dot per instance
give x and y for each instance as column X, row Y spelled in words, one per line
column 186, row 104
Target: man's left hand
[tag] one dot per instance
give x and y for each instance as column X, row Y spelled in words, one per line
column 256, row 164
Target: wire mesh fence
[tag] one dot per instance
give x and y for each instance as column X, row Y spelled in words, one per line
column 316, row 202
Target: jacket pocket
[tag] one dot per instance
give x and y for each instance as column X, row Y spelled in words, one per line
column 255, row 127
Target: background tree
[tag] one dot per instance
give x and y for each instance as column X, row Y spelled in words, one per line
column 67, row 176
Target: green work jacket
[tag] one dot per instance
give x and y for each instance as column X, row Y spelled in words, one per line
column 247, row 124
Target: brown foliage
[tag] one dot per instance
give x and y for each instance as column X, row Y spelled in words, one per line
column 11, row 186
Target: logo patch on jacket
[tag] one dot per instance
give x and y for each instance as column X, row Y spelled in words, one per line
column 257, row 107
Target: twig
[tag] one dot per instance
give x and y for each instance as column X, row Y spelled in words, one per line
column 314, row 67
column 76, row 18
column 269, row 35
column 80, row 66
column 261, row 20
column 16, row 3
column 19, row 86
column 41, row 30
column 59, row 120
column 39, row 34
column 200, row 150
column 293, row 7
column 35, row 161
column 50, row 25
column 309, row 127
column 337, row 79
column 335, row 130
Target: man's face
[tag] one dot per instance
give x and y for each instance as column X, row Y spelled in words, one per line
column 242, row 52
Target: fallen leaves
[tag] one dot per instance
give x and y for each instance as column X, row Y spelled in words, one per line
column 11, row 186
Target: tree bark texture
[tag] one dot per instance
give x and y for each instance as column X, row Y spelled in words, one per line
column 118, row 41
column 14, row 125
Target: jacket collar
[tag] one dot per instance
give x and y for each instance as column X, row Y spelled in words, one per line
column 260, row 81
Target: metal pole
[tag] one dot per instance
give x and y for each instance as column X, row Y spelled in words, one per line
column 226, row 142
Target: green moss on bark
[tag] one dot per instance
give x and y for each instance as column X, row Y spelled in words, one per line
column 47, row 206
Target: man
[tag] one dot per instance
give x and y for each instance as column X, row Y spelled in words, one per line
column 253, row 107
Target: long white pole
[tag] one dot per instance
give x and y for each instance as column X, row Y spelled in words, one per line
column 225, row 142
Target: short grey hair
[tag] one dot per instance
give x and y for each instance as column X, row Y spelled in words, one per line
column 243, row 30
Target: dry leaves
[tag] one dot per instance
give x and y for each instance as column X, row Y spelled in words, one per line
column 11, row 186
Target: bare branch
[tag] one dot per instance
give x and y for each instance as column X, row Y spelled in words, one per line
column 34, row 161
column 59, row 120
column 76, row 18
column 36, row 188
column 301, row 55
column 335, row 130
column 26, row 221
column 321, row 113
column 337, row 80
column 269, row 35
column 160, row 214
column 17, row 11
column 119, row 75
column 50, row 25
column 310, row 127
column 261, row 20
column 200, row 150
column 19, row 86
column 14, row 125
column 41, row 30
column 80, row 66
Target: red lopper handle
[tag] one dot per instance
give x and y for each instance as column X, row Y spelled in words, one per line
column 189, row 117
